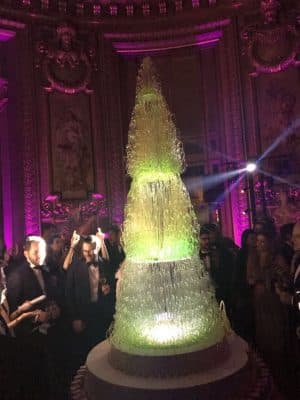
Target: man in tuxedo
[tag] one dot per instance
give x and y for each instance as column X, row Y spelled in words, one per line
column 38, row 339
column 88, row 297
column 114, row 248
column 31, row 281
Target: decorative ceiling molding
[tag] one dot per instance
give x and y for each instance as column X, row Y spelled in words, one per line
column 151, row 42
column 176, row 31
column 103, row 9
column 154, row 46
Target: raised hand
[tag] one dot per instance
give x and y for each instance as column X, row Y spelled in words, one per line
column 100, row 235
column 75, row 239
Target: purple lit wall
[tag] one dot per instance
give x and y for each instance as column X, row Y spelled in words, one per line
column 5, row 176
column 239, row 204
column 7, row 210
column 17, row 143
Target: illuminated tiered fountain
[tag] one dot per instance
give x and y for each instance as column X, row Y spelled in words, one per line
column 168, row 340
column 165, row 302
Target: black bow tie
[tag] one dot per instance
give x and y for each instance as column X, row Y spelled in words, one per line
column 93, row 263
column 38, row 267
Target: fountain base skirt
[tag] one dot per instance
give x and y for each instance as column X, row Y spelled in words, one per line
column 240, row 376
column 164, row 366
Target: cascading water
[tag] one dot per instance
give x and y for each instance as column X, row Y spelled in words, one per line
column 165, row 301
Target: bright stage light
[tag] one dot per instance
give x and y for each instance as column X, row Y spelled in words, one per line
column 251, row 166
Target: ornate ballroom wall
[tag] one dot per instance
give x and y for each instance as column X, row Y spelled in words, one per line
column 229, row 71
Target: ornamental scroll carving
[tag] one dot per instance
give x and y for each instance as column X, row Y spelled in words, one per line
column 82, row 215
column 3, row 93
column 67, row 66
column 272, row 45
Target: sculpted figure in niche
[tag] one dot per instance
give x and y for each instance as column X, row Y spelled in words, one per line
column 287, row 212
column 74, row 153
column 271, row 44
column 67, row 61
column 66, row 55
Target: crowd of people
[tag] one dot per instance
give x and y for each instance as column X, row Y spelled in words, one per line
column 58, row 301
column 260, row 284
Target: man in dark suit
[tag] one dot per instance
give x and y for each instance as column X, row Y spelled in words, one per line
column 30, row 281
column 30, row 285
column 114, row 248
column 88, row 297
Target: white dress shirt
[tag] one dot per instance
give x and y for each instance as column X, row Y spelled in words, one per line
column 94, row 277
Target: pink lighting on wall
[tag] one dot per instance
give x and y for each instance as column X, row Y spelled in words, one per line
column 45, row 5
column 6, row 35
column 62, row 6
column 26, row 3
column 146, row 9
column 6, row 183
column 52, row 197
column 239, row 205
column 8, row 212
column 178, row 5
column 150, row 47
column 113, row 9
column 162, row 7
column 97, row 196
column 96, row 9
column 129, row 10
column 80, row 8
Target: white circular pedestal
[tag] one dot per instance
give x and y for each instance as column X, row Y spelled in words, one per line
column 230, row 380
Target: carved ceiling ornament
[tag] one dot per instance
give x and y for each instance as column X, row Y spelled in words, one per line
column 271, row 45
column 66, row 65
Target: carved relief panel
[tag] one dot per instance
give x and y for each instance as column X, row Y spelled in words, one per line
column 278, row 109
column 272, row 43
column 67, row 63
column 272, row 106
column 71, row 145
column 65, row 60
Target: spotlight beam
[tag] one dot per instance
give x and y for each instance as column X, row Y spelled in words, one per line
column 230, row 189
column 288, row 131
column 279, row 179
column 207, row 182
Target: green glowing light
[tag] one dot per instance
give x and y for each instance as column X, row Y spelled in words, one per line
column 165, row 301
